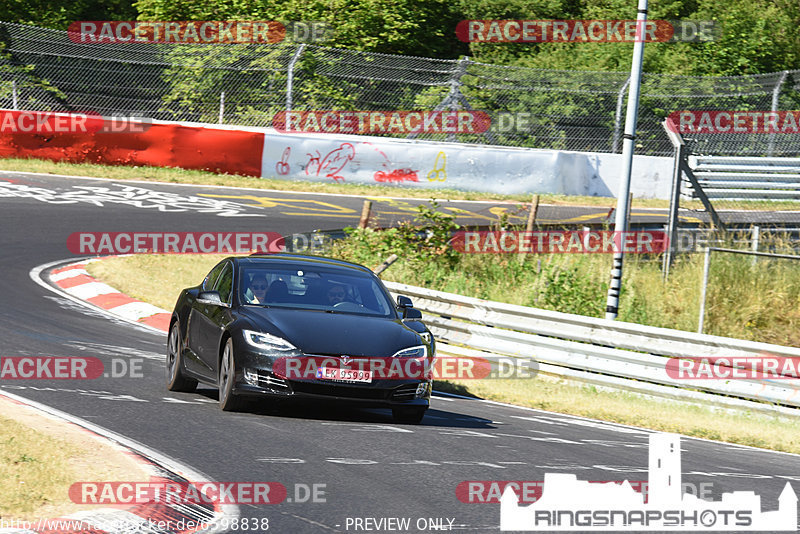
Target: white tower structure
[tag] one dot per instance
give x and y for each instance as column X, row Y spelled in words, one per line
column 664, row 477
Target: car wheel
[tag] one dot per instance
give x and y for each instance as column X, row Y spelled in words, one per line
column 228, row 402
column 410, row 415
column 176, row 380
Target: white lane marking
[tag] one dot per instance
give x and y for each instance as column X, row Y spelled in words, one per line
column 105, row 395
column 172, row 400
column 547, row 440
column 128, row 195
column 459, row 433
column 474, row 462
column 114, row 350
column 281, row 460
column 361, row 427
column 35, row 275
column 350, row 461
column 612, row 443
column 229, row 511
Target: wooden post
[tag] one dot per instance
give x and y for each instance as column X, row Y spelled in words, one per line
column 365, row 213
column 531, row 220
column 385, row 265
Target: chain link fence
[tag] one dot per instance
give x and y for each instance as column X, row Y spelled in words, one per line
column 247, row 84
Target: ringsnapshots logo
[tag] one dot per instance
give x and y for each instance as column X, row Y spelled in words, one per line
column 47, row 122
column 586, row 31
column 568, row 504
column 198, row 31
column 560, row 242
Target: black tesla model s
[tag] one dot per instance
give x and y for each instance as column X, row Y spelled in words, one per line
column 287, row 325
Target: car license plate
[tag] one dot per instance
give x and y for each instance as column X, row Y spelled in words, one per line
column 344, row 375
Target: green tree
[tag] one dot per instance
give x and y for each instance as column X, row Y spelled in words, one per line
column 58, row 14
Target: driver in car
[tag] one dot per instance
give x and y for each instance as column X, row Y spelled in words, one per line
column 258, row 287
column 335, row 295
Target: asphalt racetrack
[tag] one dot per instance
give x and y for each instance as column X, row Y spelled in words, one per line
column 365, row 466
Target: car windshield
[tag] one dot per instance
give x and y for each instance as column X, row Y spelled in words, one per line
column 313, row 288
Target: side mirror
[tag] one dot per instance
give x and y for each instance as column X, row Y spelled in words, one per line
column 404, row 302
column 411, row 313
column 210, row 297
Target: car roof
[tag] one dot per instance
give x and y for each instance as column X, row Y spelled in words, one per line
column 295, row 259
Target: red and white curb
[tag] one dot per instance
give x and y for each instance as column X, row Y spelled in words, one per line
column 148, row 518
column 74, row 280
column 75, row 283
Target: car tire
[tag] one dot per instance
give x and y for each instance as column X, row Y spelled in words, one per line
column 410, row 415
column 228, row 402
column 176, row 380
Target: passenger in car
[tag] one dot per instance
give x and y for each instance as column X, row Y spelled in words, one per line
column 278, row 292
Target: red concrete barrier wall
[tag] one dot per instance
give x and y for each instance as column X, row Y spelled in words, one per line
column 160, row 145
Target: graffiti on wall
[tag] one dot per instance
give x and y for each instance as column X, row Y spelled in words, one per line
column 332, row 163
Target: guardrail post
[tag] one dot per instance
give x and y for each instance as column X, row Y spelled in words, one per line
column 221, row 106
column 14, row 95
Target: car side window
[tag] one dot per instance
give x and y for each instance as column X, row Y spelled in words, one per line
column 212, row 276
column 224, row 284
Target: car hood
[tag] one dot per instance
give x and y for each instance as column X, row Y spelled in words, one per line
column 319, row 332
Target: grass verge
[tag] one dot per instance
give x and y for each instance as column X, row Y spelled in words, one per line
column 158, row 279
column 41, row 457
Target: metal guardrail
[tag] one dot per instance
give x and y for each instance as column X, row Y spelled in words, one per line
column 743, row 178
column 599, row 351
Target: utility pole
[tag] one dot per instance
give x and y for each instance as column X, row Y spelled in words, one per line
column 628, row 145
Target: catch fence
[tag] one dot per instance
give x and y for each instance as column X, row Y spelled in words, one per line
column 247, row 84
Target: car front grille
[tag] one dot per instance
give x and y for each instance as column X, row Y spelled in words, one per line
column 331, row 390
column 269, row 380
column 404, row 393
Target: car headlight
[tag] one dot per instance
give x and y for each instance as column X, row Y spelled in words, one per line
column 266, row 341
column 420, row 351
